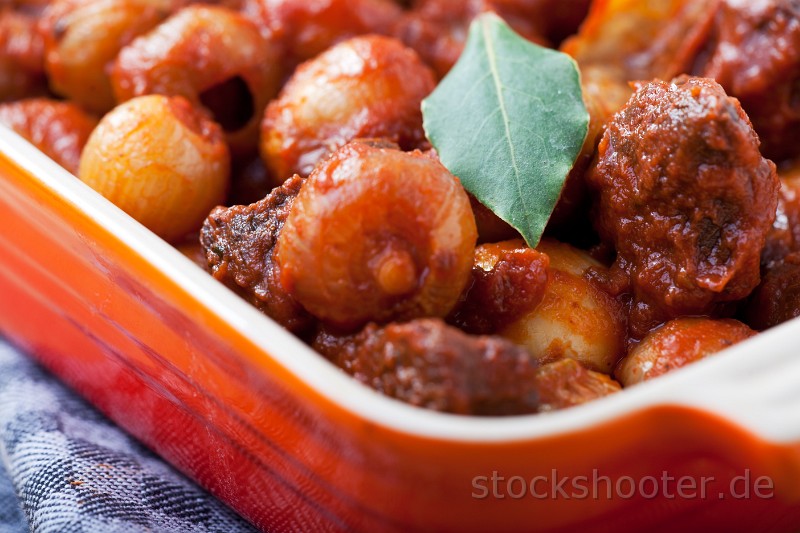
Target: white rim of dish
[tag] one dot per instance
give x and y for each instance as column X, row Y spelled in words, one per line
column 766, row 366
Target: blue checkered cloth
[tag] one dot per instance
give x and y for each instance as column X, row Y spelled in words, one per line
column 65, row 468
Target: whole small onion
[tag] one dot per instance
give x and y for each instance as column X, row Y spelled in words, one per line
column 377, row 234
column 159, row 160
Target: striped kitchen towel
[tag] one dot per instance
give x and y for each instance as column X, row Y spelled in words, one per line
column 65, row 468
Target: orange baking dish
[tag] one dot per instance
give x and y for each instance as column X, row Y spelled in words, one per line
column 290, row 442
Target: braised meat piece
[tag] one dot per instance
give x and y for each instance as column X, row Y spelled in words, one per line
column 239, row 242
column 777, row 299
column 566, row 383
column 784, row 237
column 554, row 19
column 438, row 29
column 686, row 199
column 430, row 364
column 508, row 280
column 753, row 51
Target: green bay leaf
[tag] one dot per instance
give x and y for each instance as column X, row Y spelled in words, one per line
column 509, row 121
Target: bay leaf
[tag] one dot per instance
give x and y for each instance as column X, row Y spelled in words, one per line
column 509, row 121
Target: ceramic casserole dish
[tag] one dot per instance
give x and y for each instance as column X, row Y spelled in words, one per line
column 292, row 443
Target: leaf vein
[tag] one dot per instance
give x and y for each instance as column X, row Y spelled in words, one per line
column 490, row 52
